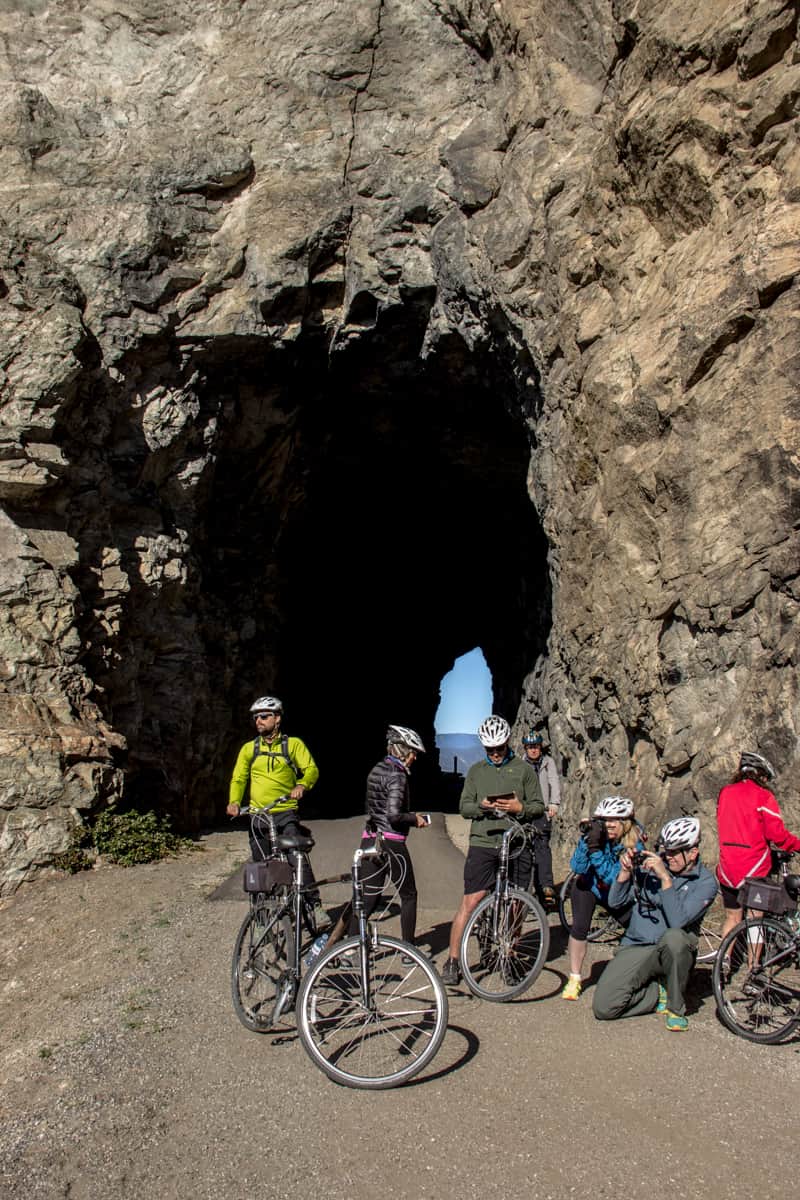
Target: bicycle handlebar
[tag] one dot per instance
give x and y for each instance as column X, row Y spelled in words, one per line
column 248, row 809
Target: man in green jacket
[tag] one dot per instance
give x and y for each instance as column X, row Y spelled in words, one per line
column 277, row 768
column 500, row 783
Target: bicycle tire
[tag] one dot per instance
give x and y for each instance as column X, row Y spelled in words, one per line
column 498, row 967
column 379, row 1048
column 758, row 1001
column 604, row 929
column 263, row 950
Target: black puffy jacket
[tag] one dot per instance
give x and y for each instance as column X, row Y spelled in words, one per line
column 387, row 798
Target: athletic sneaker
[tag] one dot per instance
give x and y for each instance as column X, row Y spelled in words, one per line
column 676, row 1023
column 451, row 973
column 662, row 999
column 572, row 988
column 322, row 918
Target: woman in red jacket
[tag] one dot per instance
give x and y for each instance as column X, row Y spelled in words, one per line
column 748, row 820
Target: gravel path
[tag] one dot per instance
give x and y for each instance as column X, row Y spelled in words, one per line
column 126, row 1074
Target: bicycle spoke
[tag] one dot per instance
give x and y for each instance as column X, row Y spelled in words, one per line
column 501, row 958
column 383, row 1043
column 756, row 980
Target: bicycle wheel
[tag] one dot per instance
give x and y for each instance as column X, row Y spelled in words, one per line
column 261, row 956
column 604, row 929
column 709, row 936
column 756, row 980
column 501, row 956
column 382, row 1042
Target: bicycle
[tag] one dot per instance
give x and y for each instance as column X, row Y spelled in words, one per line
column 372, row 1010
column 276, row 933
column 606, row 930
column 756, row 977
column 505, row 940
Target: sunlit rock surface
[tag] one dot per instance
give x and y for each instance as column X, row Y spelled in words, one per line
column 476, row 323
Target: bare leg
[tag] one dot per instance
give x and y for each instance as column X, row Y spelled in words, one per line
column 577, row 953
column 467, row 906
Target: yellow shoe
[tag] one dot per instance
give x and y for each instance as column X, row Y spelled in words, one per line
column 572, row 988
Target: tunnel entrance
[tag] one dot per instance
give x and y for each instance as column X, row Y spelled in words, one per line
column 343, row 525
column 400, row 535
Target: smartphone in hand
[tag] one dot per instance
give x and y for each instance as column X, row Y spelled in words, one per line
column 426, row 818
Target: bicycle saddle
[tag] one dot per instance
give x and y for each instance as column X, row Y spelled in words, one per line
column 792, row 885
column 288, row 841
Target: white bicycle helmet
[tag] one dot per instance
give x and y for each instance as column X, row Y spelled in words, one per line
column 266, row 704
column 494, row 732
column 681, row 834
column 614, row 808
column 751, row 763
column 403, row 737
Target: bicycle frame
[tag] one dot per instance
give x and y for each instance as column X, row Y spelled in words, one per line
column 360, row 916
column 288, row 903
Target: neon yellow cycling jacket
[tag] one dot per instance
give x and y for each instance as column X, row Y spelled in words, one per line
column 270, row 775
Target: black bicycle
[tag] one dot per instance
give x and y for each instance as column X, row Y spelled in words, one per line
column 756, row 976
column 279, row 928
column 505, row 940
column 372, row 1010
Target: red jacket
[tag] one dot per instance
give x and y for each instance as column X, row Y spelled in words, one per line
column 748, row 817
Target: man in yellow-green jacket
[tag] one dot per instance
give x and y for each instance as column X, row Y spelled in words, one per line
column 278, row 769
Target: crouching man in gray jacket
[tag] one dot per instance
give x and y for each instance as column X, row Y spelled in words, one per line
column 670, row 891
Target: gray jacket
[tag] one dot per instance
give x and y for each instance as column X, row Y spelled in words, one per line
column 655, row 910
column 547, row 774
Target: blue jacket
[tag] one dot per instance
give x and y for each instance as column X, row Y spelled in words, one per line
column 600, row 867
column 655, row 911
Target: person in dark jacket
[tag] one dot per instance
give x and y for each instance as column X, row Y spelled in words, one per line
column 388, row 814
column 547, row 774
column 671, row 891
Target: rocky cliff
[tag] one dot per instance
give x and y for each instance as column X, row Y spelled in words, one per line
column 291, row 290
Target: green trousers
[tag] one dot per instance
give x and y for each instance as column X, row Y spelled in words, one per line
column 629, row 985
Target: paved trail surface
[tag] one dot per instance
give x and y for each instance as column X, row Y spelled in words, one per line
column 126, row 1074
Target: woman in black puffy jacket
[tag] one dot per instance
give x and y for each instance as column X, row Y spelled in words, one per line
column 388, row 814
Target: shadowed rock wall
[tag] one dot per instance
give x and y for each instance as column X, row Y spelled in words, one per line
column 466, row 322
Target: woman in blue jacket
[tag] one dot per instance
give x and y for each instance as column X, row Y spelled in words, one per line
column 596, row 863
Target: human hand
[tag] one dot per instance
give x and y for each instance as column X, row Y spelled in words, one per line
column 297, row 792
column 512, row 806
column 596, row 835
column 232, row 810
column 421, row 822
column 552, row 813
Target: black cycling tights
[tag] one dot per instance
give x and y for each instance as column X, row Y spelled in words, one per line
column 583, row 905
column 400, row 870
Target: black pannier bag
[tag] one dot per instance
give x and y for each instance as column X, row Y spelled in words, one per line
column 766, row 896
column 266, row 876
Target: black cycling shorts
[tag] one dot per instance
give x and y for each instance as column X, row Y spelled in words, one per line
column 480, row 869
column 731, row 897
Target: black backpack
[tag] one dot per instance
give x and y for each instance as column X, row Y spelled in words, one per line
column 282, row 753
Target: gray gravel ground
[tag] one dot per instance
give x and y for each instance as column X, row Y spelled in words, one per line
column 126, row 1074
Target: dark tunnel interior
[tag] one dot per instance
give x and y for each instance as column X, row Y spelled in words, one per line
column 362, row 520
column 397, row 533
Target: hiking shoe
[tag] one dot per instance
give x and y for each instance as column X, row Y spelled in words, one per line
column 572, row 988
column 662, row 999
column 321, row 918
column 675, row 1023
column 451, row 973
column 549, row 898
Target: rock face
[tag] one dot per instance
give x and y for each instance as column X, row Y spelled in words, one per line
column 338, row 338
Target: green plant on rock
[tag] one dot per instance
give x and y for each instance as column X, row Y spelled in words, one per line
column 76, row 857
column 133, row 837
